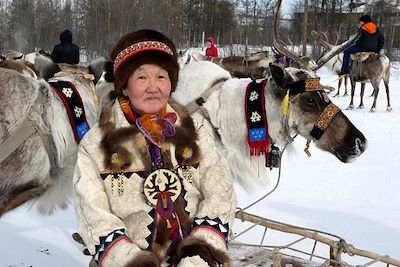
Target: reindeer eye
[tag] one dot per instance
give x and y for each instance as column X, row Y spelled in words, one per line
column 310, row 100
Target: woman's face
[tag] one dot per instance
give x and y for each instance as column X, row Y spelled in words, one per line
column 148, row 89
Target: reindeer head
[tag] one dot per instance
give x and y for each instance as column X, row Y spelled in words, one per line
column 311, row 113
column 314, row 116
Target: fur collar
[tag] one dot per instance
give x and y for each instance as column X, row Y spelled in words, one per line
column 116, row 130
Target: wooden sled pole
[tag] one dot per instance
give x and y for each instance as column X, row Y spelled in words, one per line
column 347, row 248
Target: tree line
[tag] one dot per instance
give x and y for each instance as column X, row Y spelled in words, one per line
column 97, row 24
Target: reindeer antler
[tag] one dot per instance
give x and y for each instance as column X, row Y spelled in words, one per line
column 306, row 63
column 322, row 39
column 336, row 50
column 280, row 46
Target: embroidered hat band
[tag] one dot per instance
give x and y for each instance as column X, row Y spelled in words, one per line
column 140, row 47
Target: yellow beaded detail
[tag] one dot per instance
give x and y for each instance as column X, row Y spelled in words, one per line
column 187, row 172
column 187, row 152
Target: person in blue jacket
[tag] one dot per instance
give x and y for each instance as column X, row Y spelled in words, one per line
column 370, row 40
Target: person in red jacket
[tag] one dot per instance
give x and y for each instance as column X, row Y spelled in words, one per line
column 211, row 51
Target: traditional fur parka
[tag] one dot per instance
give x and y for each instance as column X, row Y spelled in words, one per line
column 117, row 218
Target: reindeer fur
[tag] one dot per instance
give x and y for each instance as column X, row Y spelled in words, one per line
column 42, row 167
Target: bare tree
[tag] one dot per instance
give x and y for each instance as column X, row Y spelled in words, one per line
column 98, row 24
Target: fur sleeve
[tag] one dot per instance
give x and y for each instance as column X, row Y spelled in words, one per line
column 191, row 247
column 144, row 259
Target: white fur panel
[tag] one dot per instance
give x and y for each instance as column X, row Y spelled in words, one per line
column 194, row 261
column 195, row 78
column 210, row 236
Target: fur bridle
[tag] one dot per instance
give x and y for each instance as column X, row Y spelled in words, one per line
column 326, row 116
column 329, row 112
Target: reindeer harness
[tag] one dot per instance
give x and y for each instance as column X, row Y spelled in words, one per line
column 327, row 115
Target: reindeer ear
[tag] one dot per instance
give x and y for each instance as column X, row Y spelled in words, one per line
column 278, row 74
column 45, row 68
column 96, row 68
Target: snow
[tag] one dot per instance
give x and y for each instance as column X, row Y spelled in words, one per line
column 358, row 201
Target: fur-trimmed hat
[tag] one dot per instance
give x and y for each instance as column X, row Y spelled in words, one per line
column 365, row 18
column 138, row 48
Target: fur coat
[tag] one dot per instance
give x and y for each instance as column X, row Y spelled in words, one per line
column 119, row 225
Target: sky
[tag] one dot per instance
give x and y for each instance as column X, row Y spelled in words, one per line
column 358, row 201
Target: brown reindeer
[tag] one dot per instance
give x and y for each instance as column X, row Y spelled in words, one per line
column 369, row 67
column 254, row 65
column 365, row 67
column 335, row 63
column 239, row 67
column 23, row 67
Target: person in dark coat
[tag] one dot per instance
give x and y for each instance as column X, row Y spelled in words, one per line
column 66, row 51
column 370, row 40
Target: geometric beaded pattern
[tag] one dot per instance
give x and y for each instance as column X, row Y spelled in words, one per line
column 139, row 47
column 105, row 242
column 215, row 223
column 327, row 116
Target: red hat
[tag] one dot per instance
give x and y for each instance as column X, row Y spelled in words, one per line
column 211, row 40
column 142, row 47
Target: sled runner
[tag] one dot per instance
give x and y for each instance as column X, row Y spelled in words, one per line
column 282, row 244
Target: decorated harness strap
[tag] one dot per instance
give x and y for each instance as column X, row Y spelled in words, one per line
column 72, row 101
column 327, row 115
column 324, row 120
column 256, row 118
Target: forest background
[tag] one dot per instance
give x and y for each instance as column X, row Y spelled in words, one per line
column 97, row 24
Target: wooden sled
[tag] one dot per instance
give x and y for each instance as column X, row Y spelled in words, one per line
column 324, row 249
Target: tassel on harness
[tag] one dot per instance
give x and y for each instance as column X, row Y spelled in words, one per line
column 285, row 105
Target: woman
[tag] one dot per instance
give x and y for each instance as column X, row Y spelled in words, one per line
column 151, row 188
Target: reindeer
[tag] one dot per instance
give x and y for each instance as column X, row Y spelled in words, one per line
column 241, row 67
column 335, row 63
column 22, row 67
column 367, row 67
column 38, row 148
column 223, row 99
column 254, row 65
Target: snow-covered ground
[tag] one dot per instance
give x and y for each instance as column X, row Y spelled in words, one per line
column 359, row 201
